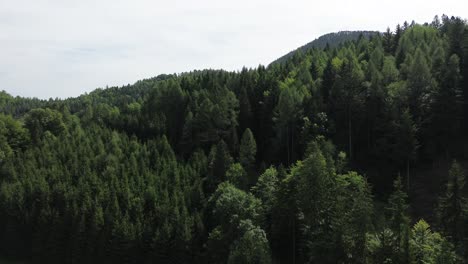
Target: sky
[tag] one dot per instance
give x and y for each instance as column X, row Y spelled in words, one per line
column 64, row 48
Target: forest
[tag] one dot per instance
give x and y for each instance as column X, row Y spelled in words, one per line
column 348, row 153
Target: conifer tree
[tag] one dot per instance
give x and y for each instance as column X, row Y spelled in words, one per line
column 399, row 221
column 447, row 108
column 452, row 209
column 248, row 149
column 388, row 41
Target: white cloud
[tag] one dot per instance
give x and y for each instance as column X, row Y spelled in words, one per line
column 55, row 48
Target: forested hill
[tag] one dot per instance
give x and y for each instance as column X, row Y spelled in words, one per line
column 334, row 156
column 330, row 39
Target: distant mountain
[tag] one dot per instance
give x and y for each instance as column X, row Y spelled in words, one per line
column 332, row 39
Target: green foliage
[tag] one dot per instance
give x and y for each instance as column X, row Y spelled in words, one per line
column 288, row 114
column 328, row 40
column 237, row 176
column 390, row 73
column 156, row 172
column 248, row 149
column 452, row 210
column 399, row 222
column 421, row 85
column 381, row 247
column 230, row 205
column 252, row 246
column 354, row 215
column 447, row 107
column 229, row 208
column 429, row 247
column 220, row 161
column 13, row 137
column 164, row 108
column 335, row 210
column 38, row 121
column 425, row 247
column 266, row 188
column 214, row 115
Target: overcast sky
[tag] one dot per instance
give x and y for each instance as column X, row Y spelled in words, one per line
column 63, row 48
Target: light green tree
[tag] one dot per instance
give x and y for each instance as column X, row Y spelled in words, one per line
column 429, row 247
column 251, row 247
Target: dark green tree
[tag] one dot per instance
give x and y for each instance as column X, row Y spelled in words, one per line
column 220, row 161
column 248, row 150
column 38, row 121
column 452, row 211
column 447, row 108
column 399, row 222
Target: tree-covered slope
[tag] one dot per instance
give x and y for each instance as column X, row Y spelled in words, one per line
column 331, row 40
column 333, row 156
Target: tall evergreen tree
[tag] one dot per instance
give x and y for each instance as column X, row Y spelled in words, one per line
column 388, row 41
column 420, row 86
column 452, row 209
column 447, row 108
column 407, row 143
column 399, row 221
column 248, row 149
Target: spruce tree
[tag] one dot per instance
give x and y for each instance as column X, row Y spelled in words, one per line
column 399, row 221
column 452, row 208
column 248, row 149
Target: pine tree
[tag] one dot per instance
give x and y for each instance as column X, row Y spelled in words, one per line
column 288, row 114
column 407, row 143
column 347, row 96
column 396, row 39
column 219, row 164
column 430, row 247
column 388, row 41
column 381, row 247
column 248, row 150
column 316, row 208
column 399, row 221
column 447, row 108
column 266, row 189
column 452, row 208
column 420, row 85
column 245, row 110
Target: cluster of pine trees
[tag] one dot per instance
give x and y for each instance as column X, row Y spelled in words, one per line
column 314, row 159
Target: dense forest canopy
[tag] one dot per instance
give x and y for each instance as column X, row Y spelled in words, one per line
column 351, row 153
column 327, row 41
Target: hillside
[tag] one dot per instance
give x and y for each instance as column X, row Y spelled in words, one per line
column 355, row 153
column 330, row 39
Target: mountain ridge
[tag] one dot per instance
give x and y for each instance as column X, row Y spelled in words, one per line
column 333, row 39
